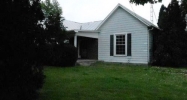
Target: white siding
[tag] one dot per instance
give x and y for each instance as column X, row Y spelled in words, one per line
column 121, row 21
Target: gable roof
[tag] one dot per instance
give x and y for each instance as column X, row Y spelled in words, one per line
column 143, row 20
column 93, row 26
column 89, row 26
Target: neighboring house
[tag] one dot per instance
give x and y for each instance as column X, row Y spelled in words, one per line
column 122, row 36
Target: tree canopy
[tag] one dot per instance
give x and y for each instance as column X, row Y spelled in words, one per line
column 142, row 2
column 53, row 22
column 184, row 7
column 162, row 17
column 171, row 40
column 51, row 7
column 58, row 53
column 21, row 32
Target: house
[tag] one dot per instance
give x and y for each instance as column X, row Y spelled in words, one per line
column 122, row 36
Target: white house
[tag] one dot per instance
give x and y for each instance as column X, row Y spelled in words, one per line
column 122, row 36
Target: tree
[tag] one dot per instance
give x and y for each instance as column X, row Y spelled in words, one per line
column 171, row 41
column 49, row 7
column 58, row 53
column 21, row 74
column 142, row 2
column 162, row 17
column 184, row 7
column 53, row 22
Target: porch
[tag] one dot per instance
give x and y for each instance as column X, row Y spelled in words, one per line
column 86, row 43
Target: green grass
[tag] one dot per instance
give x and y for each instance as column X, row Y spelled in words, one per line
column 104, row 81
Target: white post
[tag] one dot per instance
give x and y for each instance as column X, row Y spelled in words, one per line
column 79, row 49
column 75, row 40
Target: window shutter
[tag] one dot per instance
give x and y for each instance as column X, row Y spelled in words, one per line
column 111, row 45
column 129, row 44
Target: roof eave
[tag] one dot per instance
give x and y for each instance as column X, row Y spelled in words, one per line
column 89, row 31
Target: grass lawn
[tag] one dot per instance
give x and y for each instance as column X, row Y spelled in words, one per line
column 104, row 81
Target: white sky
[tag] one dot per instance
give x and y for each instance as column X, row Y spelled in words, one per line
column 94, row 10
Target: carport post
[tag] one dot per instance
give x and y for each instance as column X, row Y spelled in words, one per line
column 75, row 40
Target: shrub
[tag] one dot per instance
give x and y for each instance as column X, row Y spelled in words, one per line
column 61, row 55
column 68, row 56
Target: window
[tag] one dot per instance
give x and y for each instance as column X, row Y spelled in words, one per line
column 120, row 44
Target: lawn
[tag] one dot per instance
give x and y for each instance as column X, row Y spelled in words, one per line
column 104, row 81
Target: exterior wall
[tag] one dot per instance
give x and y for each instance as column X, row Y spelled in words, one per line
column 122, row 21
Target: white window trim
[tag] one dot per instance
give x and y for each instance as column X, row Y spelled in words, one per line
column 119, row 55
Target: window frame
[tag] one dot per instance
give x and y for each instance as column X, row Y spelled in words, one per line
column 114, row 48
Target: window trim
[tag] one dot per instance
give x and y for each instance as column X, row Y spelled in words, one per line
column 114, row 47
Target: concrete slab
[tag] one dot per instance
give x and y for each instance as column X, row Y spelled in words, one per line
column 85, row 62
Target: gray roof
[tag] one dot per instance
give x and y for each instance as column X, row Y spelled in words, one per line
column 70, row 25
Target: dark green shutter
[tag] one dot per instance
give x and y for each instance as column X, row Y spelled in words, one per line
column 129, row 44
column 111, row 45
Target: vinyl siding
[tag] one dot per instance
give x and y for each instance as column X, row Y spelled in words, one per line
column 121, row 21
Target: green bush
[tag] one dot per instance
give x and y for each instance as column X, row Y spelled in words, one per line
column 61, row 55
column 68, row 56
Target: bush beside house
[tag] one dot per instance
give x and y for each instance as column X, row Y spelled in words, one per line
column 64, row 55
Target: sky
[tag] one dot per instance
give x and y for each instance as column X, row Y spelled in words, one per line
column 94, row 10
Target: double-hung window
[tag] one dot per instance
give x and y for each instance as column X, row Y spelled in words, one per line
column 120, row 44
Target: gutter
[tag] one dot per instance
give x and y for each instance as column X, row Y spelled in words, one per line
column 87, row 31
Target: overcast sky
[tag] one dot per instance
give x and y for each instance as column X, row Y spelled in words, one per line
column 94, row 10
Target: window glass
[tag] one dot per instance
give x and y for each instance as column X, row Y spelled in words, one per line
column 120, row 44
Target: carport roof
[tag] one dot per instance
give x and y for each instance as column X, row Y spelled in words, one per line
column 89, row 26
